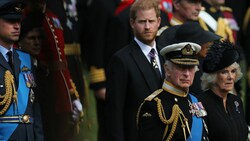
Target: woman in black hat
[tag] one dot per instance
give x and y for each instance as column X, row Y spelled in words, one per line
column 225, row 115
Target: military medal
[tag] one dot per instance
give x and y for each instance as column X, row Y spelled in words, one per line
column 200, row 110
column 32, row 96
column 197, row 109
column 192, row 108
column 29, row 78
column 28, row 84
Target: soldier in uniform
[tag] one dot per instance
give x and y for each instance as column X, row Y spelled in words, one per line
column 66, row 12
column 167, row 7
column 61, row 107
column 20, row 118
column 100, row 13
column 190, row 32
column 185, row 10
column 172, row 112
column 219, row 19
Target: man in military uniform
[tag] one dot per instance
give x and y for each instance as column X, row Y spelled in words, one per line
column 61, row 107
column 66, row 11
column 20, row 117
column 100, row 13
column 219, row 19
column 183, row 11
column 190, row 32
column 172, row 113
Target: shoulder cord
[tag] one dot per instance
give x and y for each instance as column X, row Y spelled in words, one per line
column 222, row 29
column 176, row 114
column 10, row 92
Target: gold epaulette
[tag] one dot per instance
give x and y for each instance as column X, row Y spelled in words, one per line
column 153, row 95
column 97, row 75
column 149, row 98
column 224, row 8
column 161, row 30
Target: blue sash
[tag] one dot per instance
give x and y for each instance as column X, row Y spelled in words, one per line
column 6, row 129
column 197, row 126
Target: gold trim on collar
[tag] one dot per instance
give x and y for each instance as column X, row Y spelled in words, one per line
column 167, row 86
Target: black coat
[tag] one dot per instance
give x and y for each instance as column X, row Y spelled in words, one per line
column 224, row 125
column 130, row 79
column 107, row 33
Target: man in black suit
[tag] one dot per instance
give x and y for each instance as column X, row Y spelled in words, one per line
column 131, row 76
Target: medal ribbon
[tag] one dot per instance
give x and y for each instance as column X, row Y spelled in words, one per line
column 197, row 126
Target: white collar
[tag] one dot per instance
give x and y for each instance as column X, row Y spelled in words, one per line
column 146, row 48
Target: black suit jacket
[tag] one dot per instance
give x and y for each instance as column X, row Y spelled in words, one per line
column 130, row 79
column 107, row 33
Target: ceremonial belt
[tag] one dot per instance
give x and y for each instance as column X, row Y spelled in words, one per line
column 26, row 119
column 72, row 49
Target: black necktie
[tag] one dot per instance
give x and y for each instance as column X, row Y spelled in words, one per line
column 152, row 56
column 10, row 59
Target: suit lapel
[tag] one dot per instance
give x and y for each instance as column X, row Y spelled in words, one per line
column 144, row 66
column 4, row 63
column 16, row 62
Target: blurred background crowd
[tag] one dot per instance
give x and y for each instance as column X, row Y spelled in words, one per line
column 78, row 38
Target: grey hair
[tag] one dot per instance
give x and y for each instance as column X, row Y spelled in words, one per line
column 170, row 66
column 208, row 79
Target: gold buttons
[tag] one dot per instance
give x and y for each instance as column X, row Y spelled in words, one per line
column 26, row 119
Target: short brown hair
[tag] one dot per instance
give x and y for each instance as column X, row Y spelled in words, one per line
column 144, row 4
